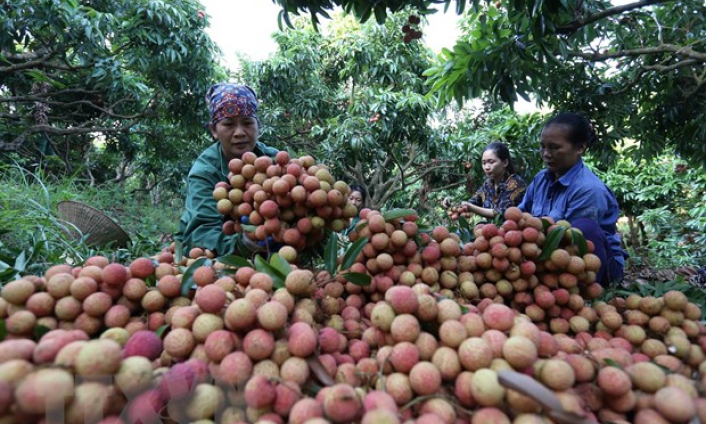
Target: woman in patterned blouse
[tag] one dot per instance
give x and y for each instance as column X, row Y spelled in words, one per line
column 503, row 187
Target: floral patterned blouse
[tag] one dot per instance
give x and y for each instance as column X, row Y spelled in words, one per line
column 510, row 193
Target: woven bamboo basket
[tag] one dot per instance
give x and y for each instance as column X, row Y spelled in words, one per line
column 97, row 227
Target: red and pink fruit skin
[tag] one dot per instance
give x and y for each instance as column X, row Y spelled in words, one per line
column 146, row 407
column 177, row 383
column 143, row 343
column 341, row 403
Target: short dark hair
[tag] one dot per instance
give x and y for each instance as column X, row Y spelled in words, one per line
column 579, row 130
column 503, row 153
column 359, row 188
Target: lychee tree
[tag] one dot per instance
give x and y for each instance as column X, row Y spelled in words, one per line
column 101, row 87
column 353, row 96
column 663, row 201
column 467, row 132
column 635, row 68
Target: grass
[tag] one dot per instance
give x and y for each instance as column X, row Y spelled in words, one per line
column 33, row 237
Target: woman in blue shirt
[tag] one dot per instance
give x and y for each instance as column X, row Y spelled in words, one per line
column 568, row 190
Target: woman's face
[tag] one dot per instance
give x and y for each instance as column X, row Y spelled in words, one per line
column 492, row 165
column 237, row 135
column 558, row 153
column 356, row 198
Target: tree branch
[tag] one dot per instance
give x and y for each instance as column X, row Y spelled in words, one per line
column 666, row 68
column 663, row 48
column 19, row 140
column 617, row 10
column 448, row 186
column 45, row 100
column 34, row 62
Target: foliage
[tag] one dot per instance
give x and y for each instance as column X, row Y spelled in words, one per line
column 352, row 95
column 664, row 202
column 353, row 98
column 272, row 264
column 695, row 294
column 33, row 237
column 108, row 90
column 363, row 9
column 635, row 69
column 467, row 132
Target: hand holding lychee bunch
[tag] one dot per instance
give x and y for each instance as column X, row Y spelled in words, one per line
column 285, row 201
column 454, row 212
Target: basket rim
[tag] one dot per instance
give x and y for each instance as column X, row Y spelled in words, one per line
column 120, row 235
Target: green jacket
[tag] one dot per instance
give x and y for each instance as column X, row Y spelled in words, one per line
column 201, row 225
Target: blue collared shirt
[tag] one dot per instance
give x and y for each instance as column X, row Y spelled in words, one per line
column 577, row 194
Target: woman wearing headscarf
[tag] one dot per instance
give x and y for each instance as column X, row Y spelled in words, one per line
column 235, row 127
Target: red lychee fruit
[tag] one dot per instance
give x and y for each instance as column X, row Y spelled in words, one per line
column 114, row 274
column 143, row 343
column 146, row 408
column 178, row 382
column 141, row 268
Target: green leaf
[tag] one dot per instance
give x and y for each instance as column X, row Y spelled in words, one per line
column 280, row 264
column 425, row 228
column 160, row 331
column 664, row 369
column 248, row 228
column 360, row 225
column 397, row 213
column 498, row 219
column 278, row 283
column 358, row 278
column 40, row 330
column 380, row 15
column 580, row 241
column 331, row 254
column 352, row 252
column 234, row 260
column 187, row 279
column 261, row 265
column 552, row 242
column 612, row 363
column 546, row 224
column 178, row 252
column 463, row 223
column 3, row 330
column 21, row 261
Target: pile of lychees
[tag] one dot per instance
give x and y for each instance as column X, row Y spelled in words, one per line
column 289, row 201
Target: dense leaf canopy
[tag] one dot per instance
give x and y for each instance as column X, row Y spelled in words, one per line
column 636, row 69
column 130, row 75
column 354, row 96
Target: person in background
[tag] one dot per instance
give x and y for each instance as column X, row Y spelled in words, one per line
column 356, row 197
column 568, row 190
column 502, row 187
column 235, row 127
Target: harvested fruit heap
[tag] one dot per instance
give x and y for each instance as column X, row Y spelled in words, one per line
column 454, row 212
column 291, row 201
column 431, row 339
